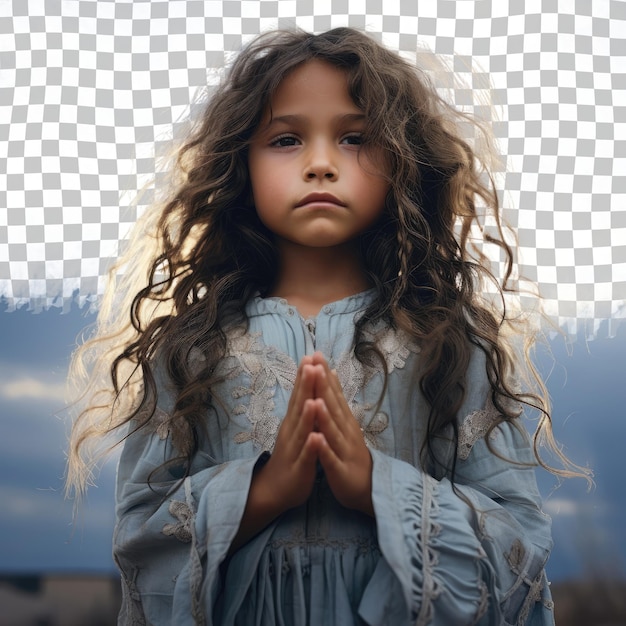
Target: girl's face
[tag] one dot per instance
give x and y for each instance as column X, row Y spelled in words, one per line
column 312, row 183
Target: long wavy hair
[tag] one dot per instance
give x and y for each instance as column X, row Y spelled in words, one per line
column 200, row 255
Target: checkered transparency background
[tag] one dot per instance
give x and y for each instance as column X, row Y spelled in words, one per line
column 89, row 89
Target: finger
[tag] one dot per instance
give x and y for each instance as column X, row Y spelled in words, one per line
column 307, row 383
column 329, row 388
column 318, row 358
column 330, row 428
column 334, row 400
column 302, row 389
column 334, row 382
column 292, row 437
column 350, row 481
column 307, row 459
column 305, row 424
column 349, row 424
column 293, row 430
column 319, row 369
column 330, row 375
column 328, row 458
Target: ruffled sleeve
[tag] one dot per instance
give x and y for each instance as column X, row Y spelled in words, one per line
column 169, row 559
column 473, row 553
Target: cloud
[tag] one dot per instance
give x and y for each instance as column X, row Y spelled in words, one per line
column 31, row 388
column 35, row 382
column 561, row 506
column 590, row 507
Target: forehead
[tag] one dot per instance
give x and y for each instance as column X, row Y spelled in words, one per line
column 312, row 85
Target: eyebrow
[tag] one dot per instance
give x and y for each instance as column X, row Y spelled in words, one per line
column 296, row 119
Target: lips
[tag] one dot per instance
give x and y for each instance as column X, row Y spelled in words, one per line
column 320, row 198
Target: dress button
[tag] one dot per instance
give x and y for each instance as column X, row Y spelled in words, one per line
column 328, row 308
column 291, row 311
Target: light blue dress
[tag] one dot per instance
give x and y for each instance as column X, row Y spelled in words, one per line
column 430, row 556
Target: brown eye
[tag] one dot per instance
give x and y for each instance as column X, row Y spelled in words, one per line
column 285, row 141
column 355, row 139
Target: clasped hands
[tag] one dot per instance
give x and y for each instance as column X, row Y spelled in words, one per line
column 319, row 426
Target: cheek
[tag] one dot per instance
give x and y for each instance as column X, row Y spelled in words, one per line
column 378, row 193
column 256, row 166
column 373, row 178
column 373, row 186
column 265, row 191
column 263, row 178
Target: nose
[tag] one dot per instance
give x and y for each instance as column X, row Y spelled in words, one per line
column 320, row 164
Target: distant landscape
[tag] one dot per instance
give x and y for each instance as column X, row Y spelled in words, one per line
column 66, row 600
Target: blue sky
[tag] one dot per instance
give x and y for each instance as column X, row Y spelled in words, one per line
column 37, row 532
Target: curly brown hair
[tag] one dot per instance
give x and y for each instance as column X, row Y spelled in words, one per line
column 208, row 252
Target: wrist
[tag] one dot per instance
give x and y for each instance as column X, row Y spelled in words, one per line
column 263, row 496
column 367, row 506
column 364, row 503
column 261, row 507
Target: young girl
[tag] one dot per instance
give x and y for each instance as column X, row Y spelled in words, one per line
column 319, row 414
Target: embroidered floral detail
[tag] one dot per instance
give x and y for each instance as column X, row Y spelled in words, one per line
column 161, row 420
column 396, row 346
column 516, row 556
column 516, row 559
column 161, row 423
column 182, row 529
column 196, row 360
column 354, row 376
column 157, row 421
column 178, row 430
column 483, row 603
column 266, row 368
column 131, row 610
column 535, row 592
column 374, row 427
column 197, row 550
column 475, row 426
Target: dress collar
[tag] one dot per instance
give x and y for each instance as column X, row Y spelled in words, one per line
column 350, row 304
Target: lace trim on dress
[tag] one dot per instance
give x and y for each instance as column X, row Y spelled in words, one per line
column 476, row 426
column 165, row 426
column 131, row 610
column 161, row 421
column 182, row 529
column 396, row 347
column 516, row 559
column 267, row 368
column 185, row 531
column 187, row 511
